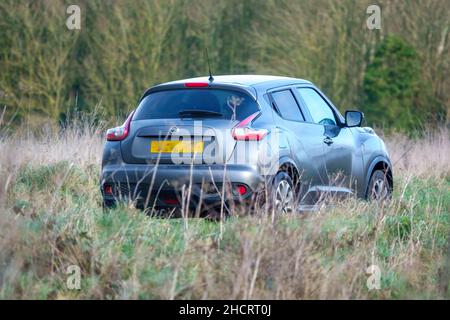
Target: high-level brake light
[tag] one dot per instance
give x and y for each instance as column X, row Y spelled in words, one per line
column 196, row 84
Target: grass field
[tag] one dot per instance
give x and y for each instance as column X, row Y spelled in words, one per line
column 51, row 218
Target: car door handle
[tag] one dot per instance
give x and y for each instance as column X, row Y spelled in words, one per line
column 328, row 141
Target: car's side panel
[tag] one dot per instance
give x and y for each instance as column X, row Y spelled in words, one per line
column 305, row 147
column 372, row 150
column 277, row 140
column 341, row 157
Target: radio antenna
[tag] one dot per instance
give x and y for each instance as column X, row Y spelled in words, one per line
column 211, row 78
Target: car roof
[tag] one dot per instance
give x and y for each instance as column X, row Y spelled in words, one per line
column 250, row 84
column 245, row 80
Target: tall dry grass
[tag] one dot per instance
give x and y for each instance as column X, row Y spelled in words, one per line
column 50, row 218
column 82, row 143
column 428, row 156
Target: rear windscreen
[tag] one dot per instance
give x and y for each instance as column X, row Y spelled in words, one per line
column 196, row 103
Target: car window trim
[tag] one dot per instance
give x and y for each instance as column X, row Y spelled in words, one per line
column 337, row 118
column 277, row 110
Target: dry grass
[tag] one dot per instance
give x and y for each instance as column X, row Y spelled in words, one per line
column 50, row 218
column 428, row 156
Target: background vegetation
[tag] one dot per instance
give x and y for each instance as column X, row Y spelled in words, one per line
column 398, row 75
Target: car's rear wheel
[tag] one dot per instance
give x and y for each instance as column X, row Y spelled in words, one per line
column 379, row 187
column 282, row 195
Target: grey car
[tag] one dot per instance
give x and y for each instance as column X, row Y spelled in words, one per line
column 209, row 142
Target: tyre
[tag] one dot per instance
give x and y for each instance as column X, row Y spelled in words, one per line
column 379, row 187
column 108, row 205
column 282, row 197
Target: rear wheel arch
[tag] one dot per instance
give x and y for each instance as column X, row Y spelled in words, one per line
column 288, row 166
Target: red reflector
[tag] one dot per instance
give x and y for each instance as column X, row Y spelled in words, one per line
column 196, row 84
column 241, row 189
column 108, row 189
column 171, row 201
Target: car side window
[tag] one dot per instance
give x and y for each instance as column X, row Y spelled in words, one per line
column 287, row 105
column 320, row 111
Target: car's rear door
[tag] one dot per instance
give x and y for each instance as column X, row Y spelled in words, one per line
column 305, row 139
column 338, row 140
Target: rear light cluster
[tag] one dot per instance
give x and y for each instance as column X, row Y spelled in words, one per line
column 240, row 189
column 120, row 133
column 108, row 189
column 243, row 131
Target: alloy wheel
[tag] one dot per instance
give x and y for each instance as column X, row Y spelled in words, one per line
column 379, row 190
column 284, row 198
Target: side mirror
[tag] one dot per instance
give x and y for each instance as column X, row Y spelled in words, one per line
column 353, row 118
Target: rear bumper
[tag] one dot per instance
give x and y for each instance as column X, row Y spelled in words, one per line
column 162, row 185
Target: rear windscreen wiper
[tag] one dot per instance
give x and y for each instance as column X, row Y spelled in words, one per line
column 199, row 113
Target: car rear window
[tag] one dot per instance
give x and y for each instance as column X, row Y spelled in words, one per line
column 190, row 103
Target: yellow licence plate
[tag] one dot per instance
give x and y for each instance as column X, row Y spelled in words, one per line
column 176, row 147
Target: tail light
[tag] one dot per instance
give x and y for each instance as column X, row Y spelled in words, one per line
column 120, row 133
column 243, row 131
column 241, row 189
column 108, row 189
